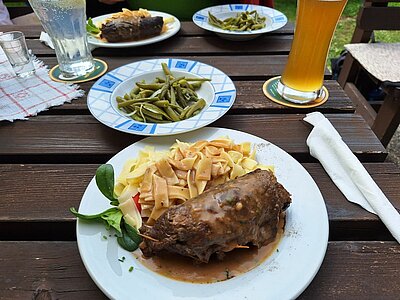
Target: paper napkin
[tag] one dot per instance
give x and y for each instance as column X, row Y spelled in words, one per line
column 348, row 173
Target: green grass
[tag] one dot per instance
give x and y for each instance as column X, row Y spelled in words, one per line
column 345, row 28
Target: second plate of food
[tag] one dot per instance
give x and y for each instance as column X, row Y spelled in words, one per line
column 124, row 31
column 239, row 22
column 161, row 96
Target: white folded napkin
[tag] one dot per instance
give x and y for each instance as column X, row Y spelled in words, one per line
column 348, row 173
column 45, row 39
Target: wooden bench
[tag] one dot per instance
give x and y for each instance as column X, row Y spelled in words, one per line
column 373, row 15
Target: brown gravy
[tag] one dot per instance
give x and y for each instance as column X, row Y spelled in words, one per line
column 236, row 262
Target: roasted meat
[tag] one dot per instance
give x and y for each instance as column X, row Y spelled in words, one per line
column 131, row 25
column 239, row 212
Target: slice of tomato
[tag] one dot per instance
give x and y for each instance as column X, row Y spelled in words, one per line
column 136, row 200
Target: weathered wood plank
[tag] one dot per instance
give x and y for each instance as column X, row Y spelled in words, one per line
column 249, row 67
column 351, row 270
column 357, row 270
column 250, row 99
column 46, row 136
column 50, row 190
column 266, row 44
column 187, row 29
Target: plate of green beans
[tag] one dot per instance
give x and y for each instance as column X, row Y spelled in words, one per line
column 239, row 22
column 161, row 96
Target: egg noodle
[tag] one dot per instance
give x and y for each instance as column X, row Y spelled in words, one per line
column 166, row 178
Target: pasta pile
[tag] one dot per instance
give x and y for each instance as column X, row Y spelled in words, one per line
column 172, row 177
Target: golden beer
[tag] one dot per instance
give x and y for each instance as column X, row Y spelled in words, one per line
column 316, row 21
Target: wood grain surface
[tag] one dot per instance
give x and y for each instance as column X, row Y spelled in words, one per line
column 51, row 189
column 80, row 138
column 249, row 68
column 266, row 44
column 249, row 99
column 350, row 270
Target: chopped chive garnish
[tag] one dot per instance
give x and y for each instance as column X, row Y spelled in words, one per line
column 104, row 237
column 131, row 269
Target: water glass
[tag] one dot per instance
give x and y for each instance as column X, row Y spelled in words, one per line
column 65, row 22
column 316, row 20
column 14, row 46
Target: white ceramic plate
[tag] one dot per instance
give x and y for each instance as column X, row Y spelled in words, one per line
column 275, row 20
column 173, row 28
column 219, row 93
column 284, row 275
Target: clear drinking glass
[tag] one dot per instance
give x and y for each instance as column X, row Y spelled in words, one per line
column 14, row 46
column 316, row 20
column 65, row 22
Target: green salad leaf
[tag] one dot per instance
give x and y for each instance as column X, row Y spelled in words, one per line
column 128, row 237
column 91, row 28
column 111, row 217
column 105, row 182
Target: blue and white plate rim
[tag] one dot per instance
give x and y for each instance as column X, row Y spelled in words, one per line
column 278, row 19
column 100, row 98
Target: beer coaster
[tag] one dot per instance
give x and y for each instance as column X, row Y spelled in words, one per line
column 100, row 67
column 271, row 92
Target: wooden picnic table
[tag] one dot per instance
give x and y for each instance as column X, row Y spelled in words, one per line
column 47, row 162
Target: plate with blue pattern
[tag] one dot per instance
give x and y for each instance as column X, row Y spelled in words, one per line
column 275, row 20
column 219, row 93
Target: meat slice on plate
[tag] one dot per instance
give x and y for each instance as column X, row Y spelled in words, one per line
column 242, row 211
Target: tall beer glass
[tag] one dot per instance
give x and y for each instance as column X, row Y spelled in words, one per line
column 65, row 22
column 316, row 20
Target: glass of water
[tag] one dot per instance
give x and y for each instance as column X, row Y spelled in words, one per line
column 14, row 46
column 65, row 22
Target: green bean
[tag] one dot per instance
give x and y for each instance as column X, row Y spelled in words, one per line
column 154, row 109
column 197, row 79
column 243, row 21
column 196, row 85
column 137, row 118
column 182, row 116
column 180, row 98
column 198, row 105
column 257, row 26
column 163, row 100
column 146, row 93
column 172, row 114
column 133, row 101
column 196, row 112
column 151, row 114
column 151, row 120
column 151, row 86
column 165, row 69
column 173, row 96
column 141, row 113
column 163, row 92
column 176, row 80
column 177, row 108
column 162, row 103
column 134, row 91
